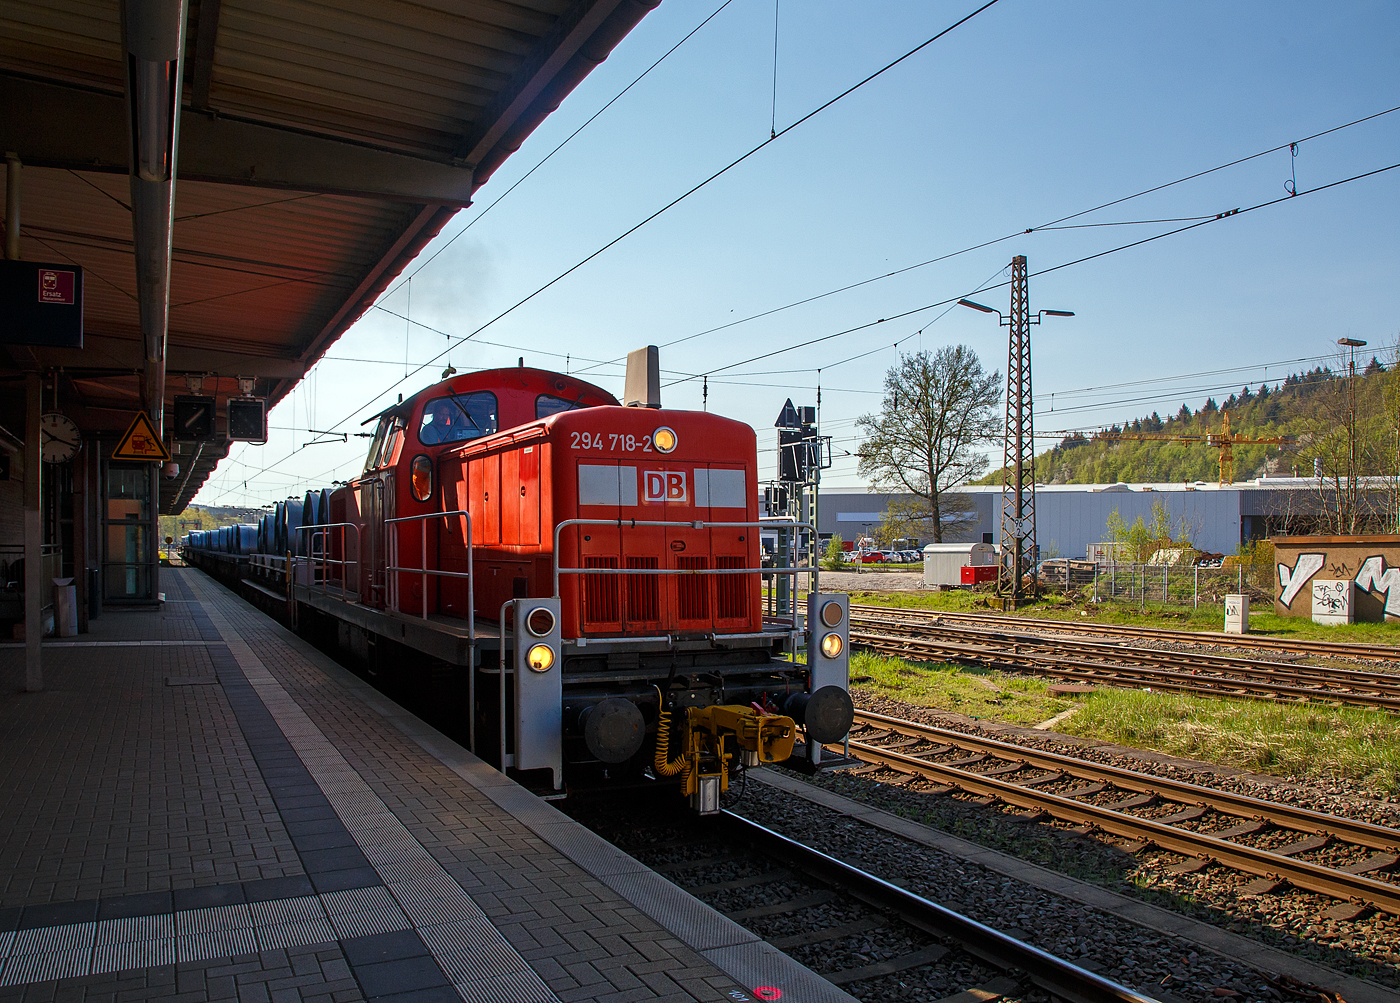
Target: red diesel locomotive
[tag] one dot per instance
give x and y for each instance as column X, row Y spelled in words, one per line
column 591, row 572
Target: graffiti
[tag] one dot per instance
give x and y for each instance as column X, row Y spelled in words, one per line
column 1342, row 570
column 1332, row 600
column 1375, row 577
column 1328, row 600
column 1292, row 580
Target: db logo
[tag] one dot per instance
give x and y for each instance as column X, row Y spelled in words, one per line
column 664, row 485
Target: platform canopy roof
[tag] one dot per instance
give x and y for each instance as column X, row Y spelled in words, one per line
column 321, row 146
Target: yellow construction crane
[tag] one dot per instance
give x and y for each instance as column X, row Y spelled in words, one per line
column 1224, row 440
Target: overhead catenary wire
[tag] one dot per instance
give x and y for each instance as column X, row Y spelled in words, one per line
column 567, row 139
column 671, row 204
column 1051, row 225
column 1044, row 271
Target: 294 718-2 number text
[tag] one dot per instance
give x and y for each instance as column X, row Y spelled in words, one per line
column 610, row 441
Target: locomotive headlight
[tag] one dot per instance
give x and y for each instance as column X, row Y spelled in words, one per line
column 421, row 478
column 831, row 613
column 832, row 645
column 664, row 439
column 540, row 658
column 540, row 621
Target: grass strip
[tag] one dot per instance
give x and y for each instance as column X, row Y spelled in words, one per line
column 980, row 693
column 1207, row 616
column 1295, row 741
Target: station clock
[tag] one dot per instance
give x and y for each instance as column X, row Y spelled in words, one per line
column 59, row 438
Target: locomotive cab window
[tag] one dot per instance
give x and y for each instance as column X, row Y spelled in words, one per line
column 548, row 404
column 381, row 447
column 458, row 418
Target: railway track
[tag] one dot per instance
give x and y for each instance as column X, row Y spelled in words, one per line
column 812, row 906
column 1336, row 649
column 1113, row 664
column 1345, row 853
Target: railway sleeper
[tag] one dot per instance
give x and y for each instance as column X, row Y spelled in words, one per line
column 914, row 959
column 1246, row 828
column 1086, row 791
column 1375, row 862
column 780, row 908
column 1304, row 845
column 1001, row 771
column 765, row 878
column 1191, row 865
column 1136, row 801
column 1187, row 815
column 987, row 992
column 863, row 925
column 676, row 866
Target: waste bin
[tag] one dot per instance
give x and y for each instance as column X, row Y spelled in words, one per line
column 65, row 607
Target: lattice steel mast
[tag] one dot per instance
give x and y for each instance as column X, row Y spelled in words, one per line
column 1018, row 550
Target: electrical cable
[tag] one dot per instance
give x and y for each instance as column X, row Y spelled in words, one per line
column 1052, row 225
column 497, row 201
column 1044, row 271
column 674, row 202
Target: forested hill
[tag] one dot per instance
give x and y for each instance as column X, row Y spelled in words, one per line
column 1311, row 405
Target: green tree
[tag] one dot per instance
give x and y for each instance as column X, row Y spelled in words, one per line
column 938, row 408
column 834, row 555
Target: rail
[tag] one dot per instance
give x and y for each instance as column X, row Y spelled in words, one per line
column 323, row 562
column 424, row 571
column 1342, row 649
column 1342, row 884
column 780, row 524
column 1112, row 665
column 1056, row 975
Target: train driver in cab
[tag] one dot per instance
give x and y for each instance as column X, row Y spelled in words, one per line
column 439, row 424
column 458, row 418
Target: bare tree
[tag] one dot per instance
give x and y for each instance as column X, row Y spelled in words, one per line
column 938, row 408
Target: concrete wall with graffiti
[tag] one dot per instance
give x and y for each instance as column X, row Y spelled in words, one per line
column 1373, row 562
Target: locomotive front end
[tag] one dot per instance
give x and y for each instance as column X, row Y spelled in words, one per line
column 669, row 666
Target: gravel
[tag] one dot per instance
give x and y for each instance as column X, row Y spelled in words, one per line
column 1152, row 963
column 723, row 877
column 1291, row 921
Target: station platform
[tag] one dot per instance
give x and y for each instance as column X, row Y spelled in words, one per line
column 201, row 806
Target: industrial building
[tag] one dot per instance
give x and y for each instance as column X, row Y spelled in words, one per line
column 1071, row 517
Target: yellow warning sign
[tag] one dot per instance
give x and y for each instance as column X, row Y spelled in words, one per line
column 141, row 442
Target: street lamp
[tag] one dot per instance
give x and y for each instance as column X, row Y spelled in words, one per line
column 1351, row 345
column 1005, row 321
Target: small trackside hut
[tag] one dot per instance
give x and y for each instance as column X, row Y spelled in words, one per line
column 574, row 584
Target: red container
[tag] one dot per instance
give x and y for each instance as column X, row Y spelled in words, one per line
column 979, row 573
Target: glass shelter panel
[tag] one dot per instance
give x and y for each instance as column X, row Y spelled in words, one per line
column 127, row 533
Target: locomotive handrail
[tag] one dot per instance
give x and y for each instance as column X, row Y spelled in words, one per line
column 425, row 571
column 326, row 561
column 770, row 522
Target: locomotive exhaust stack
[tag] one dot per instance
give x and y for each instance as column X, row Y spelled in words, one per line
column 643, row 385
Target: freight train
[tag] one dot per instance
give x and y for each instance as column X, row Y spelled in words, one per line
column 581, row 581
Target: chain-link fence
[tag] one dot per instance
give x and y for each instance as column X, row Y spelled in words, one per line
column 1188, row 585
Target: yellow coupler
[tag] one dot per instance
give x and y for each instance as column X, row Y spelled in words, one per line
column 713, row 735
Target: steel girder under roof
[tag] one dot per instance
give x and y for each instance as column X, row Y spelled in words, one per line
column 321, row 145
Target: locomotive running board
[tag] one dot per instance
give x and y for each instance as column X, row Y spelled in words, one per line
column 448, row 642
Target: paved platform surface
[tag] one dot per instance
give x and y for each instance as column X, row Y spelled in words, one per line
column 200, row 806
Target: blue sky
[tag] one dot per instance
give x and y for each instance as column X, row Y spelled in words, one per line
column 1027, row 113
